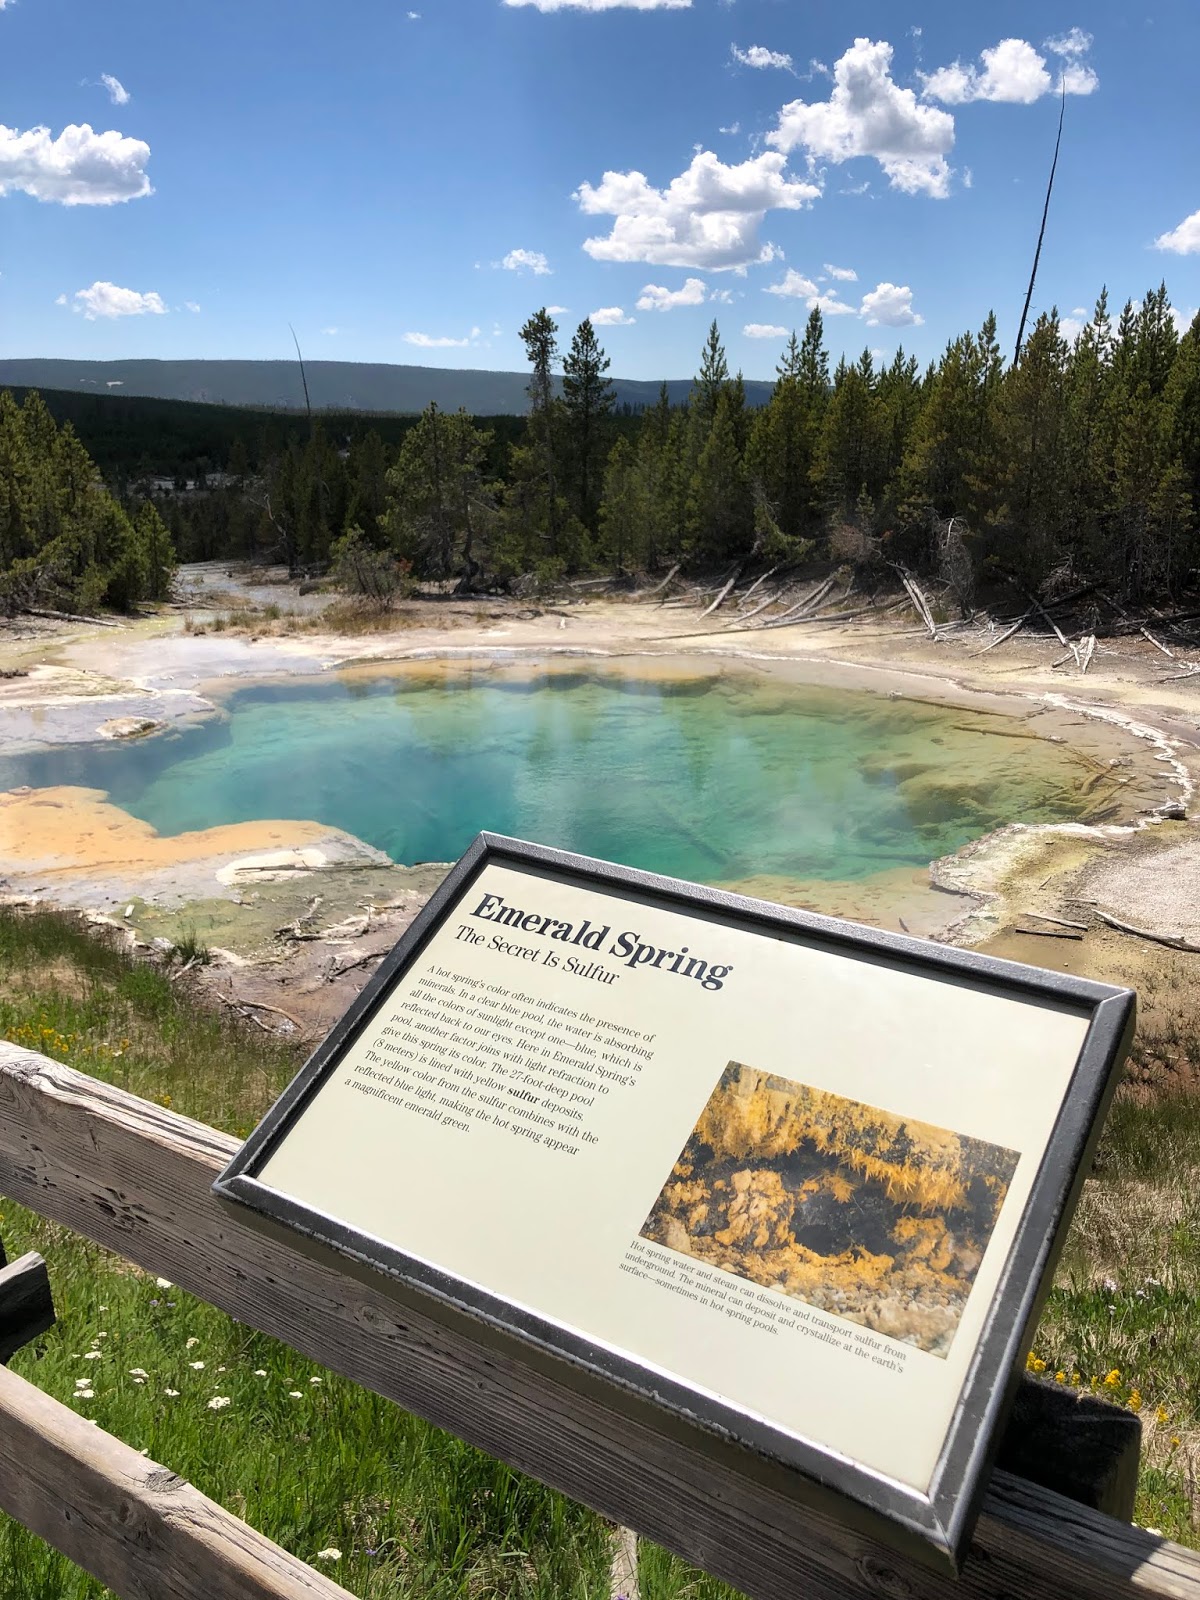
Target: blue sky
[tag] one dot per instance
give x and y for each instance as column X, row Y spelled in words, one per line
column 407, row 181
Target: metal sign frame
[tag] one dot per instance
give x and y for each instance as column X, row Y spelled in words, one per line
column 933, row 1526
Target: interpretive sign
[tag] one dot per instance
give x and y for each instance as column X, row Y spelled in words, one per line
column 778, row 1183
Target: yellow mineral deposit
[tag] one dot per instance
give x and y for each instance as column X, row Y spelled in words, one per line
column 868, row 1215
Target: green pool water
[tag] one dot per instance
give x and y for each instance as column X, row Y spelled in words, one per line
column 720, row 778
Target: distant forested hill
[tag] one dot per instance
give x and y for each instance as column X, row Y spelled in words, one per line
column 345, row 385
column 130, row 436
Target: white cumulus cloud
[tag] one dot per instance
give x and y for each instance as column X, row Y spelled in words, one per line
column 759, row 56
column 869, row 114
column 889, row 305
column 708, row 217
column 603, row 5
column 554, row 311
column 117, row 92
column 831, row 306
column 884, row 305
column 655, row 298
column 610, row 317
column 78, row 168
column 1075, row 42
column 191, row 305
column 109, row 300
column 842, row 274
column 429, row 341
column 1183, row 240
column 1012, row 71
column 764, row 330
column 526, row 261
column 1015, row 73
column 795, row 286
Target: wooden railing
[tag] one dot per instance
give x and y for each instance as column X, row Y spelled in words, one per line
column 136, row 1178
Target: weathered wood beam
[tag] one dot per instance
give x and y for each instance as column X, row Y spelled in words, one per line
column 129, row 1522
column 26, row 1304
column 135, row 1177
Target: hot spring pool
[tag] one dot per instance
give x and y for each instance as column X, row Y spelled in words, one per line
column 720, row 778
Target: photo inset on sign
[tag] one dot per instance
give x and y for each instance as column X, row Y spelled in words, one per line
column 867, row 1215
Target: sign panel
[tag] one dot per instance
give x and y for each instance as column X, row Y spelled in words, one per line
column 790, row 1184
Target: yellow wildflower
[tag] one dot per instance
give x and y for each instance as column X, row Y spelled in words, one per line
column 1112, row 1380
column 1162, row 1415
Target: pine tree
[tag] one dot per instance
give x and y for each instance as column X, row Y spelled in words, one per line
column 720, row 507
column 711, row 381
column 849, row 451
column 156, row 553
column 435, row 494
column 539, row 457
column 588, row 400
column 621, row 512
column 1029, row 519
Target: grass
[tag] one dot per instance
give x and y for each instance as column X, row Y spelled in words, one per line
column 1123, row 1318
column 318, row 1464
column 313, row 1461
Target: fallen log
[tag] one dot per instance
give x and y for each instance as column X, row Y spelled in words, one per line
column 1049, row 933
column 736, row 575
column 261, row 1005
column 1007, row 634
column 779, row 566
column 762, row 606
column 919, row 601
column 658, row 587
column 1062, row 922
column 1058, row 633
column 1174, row 677
column 1170, row 940
column 68, row 616
column 1158, row 645
column 1086, row 651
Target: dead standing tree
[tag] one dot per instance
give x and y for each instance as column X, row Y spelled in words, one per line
column 1037, row 254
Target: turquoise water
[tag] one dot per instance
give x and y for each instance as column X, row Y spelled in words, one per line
column 719, row 779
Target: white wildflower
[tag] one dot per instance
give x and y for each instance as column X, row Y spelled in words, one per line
column 329, row 1554
column 219, row 1402
column 314, row 1380
column 164, row 1283
column 295, row 1394
column 220, row 1369
column 92, row 1355
column 172, row 1394
column 196, row 1366
column 85, row 1394
column 260, row 1372
column 138, row 1372
column 192, row 1342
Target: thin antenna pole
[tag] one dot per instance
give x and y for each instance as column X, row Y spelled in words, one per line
column 303, row 379
column 1037, row 255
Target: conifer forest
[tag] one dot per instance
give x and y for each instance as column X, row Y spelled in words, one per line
column 1078, row 462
